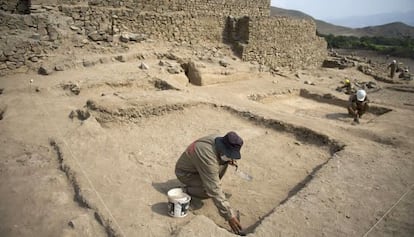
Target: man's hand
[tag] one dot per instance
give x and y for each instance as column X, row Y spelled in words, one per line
column 235, row 225
column 351, row 110
column 356, row 119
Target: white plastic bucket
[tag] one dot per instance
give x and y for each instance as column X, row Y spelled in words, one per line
column 178, row 202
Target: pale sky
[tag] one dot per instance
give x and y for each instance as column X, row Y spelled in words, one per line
column 330, row 9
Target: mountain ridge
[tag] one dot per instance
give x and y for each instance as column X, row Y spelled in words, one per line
column 405, row 17
column 389, row 30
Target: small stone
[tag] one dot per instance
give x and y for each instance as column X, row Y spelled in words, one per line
column 34, row 59
column 104, row 60
column 164, row 63
column 9, row 52
column 60, row 67
column 75, row 89
column 144, row 66
column 35, row 36
column 109, row 38
column 95, row 36
column 137, row 37
column 49, row 8
column 71, row 116
column 87, row 63
column 171, row 56
column 124, row 37
column 173, row 70
column 83, row 115
column 223, row 63
column 45, row 70
column 121, row 58
column 75, row 28
column 52, row 33
column 11, row 65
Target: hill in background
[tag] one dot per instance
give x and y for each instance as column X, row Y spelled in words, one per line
column 391, row 30
column 374, row 20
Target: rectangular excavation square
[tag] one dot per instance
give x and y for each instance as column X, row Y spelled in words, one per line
column 125, row 171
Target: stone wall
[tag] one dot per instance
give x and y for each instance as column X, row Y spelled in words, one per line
column 245, row 24
column 173, row 26
column 206, row 7
column 15, row 6
column 179, row 20
column 282, row 42
column 28, row 39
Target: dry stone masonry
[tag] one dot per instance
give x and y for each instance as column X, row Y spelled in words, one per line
column 32, row 30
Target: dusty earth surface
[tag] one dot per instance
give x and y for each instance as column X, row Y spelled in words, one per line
column 91, row 151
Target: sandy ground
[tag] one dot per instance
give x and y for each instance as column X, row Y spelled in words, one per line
column 99, row 163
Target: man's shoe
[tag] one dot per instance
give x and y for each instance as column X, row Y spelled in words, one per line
column 196, row 203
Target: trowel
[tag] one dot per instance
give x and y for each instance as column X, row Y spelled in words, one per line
column 243, row 174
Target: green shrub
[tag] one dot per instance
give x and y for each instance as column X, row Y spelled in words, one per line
column 398, row 47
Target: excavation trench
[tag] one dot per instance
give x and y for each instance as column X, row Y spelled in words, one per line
column 303, row 103
column 135, row 149
column 332, row 100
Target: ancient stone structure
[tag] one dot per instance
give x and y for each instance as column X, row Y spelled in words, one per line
column 282, row 42
column 243, row 24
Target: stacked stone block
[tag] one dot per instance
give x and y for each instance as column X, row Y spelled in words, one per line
column 8, row 5
column 282, row 42
column 27, row 39
column 210, row 7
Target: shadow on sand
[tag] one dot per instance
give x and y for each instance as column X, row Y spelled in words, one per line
column 164, row 187
column 338, row 116
column 162, row 207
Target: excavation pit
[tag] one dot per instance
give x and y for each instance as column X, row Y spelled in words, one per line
column 279, row 157
column 303, row 103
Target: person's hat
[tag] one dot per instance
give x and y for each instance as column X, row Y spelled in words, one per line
column 394, row 61
column 347, row 81
column 230, row 145
column 361, row 94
